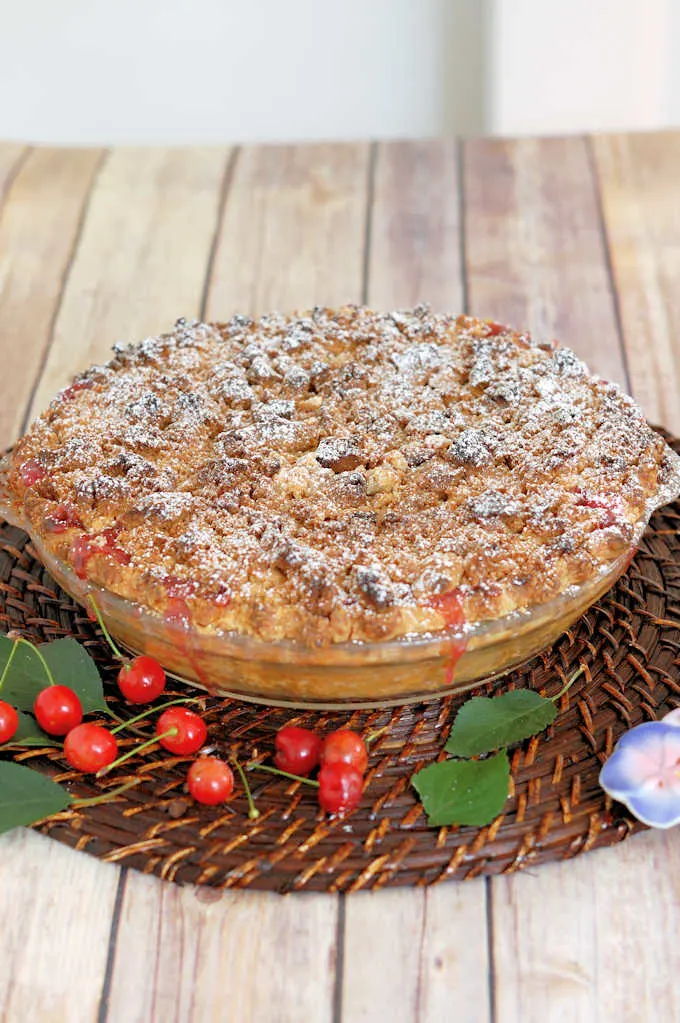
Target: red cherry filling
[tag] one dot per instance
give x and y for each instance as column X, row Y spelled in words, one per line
column 450, row 607
column 610, row 505
column 177, row 609
column 223, row 596
column 493, row 328
column 61, row 518
column 72, row 389
column 87, row 545
column 31, row 472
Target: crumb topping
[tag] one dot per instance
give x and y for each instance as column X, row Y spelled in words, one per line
column 327, row 476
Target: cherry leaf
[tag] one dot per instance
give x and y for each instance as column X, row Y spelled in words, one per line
column 464, row 791
column 72, row 666
column 487, row 723
column 27, row 796
column 26, row 675
column 29, row 733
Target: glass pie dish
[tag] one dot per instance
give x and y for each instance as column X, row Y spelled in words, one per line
column 344, row 675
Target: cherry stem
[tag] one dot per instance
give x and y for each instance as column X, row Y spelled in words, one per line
column 152, row 710
column 105, row 796
column 568, row 684
column 253, row 765
column 253, row 812
column 36, row 651
column 107, row 634
column 8, row 662
column 134, row 751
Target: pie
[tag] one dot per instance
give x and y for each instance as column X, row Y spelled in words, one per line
column 340, row 475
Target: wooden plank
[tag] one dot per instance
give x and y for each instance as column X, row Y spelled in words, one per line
column 416, row 955
column 565, row 939
column 429, row 962
column 639, row 177
column 534, row 249
column 415, row 233
column 142, row 255
column 56, row 910
column 292, row 230
column 52, row 955
column 591, row 940
column 11, row 156
column 225, row 957
column 39, row 225
column 145, row 245
column 291, row 234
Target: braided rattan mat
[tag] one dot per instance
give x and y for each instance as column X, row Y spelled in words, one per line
column 628, row 644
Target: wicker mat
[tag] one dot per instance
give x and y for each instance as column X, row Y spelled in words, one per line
column 628, row 644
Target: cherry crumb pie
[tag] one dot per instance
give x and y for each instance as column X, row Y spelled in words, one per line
column 340, row 474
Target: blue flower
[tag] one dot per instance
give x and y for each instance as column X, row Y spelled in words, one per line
column 643, row 772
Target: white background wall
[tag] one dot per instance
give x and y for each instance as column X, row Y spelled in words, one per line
column 230, row 70
column 223, row 70
column 583, row 65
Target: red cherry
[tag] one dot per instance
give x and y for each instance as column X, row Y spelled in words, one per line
column 345, row 747
column 187, row 730
column 142, row 680
column 57, row 710
column 297, row 750
column 31, row 472
column 340, row 787
column 9, row 721
column 89, row 747
column 210, row 781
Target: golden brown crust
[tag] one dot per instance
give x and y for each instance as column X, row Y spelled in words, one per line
column 328, row 476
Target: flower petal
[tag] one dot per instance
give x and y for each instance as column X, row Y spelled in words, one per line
column 673, row 718
column 645, row 738
column 659, row 808
column 671, row 747
column 625, row 772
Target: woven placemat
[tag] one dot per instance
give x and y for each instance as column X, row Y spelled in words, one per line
column 628, row 645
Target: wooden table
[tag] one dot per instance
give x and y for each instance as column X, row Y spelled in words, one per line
column 577, row 239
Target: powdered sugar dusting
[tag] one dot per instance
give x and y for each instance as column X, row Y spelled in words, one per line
column 322, row 476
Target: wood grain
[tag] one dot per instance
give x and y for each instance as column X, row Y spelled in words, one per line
column 415, row 243
column 12, row 155
column 195, row 955
column 282, row 210
column 417, row 954
column 39, row 223
column 639, row 177
column 592, row 940
column 428, row 944
column 56, row 910
column 535, row 254
column 292, row 230
column 141, row 259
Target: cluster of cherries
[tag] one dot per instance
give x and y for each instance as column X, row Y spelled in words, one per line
column 341, row 757
column 93, row 749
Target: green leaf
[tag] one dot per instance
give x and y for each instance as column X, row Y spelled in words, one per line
column 27, row 796
column 72, row 666
column 26, row 675
column 464, row 791
column 487, row 723
column 29, row 733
